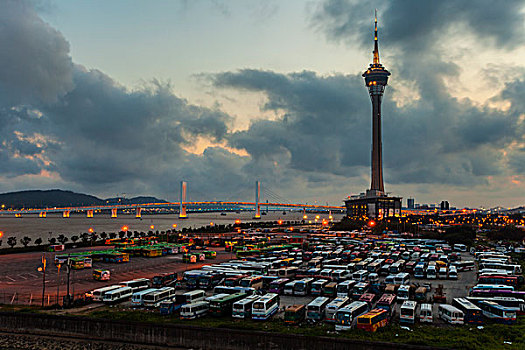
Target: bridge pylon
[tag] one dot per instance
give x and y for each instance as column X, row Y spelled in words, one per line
column 89, row 213
column 182, row 205
column 257, row 200
column 138, row 213
column 42, row 214
column 114, row 212
column 65, row 213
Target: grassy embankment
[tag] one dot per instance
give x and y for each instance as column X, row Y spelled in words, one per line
column 492, row 336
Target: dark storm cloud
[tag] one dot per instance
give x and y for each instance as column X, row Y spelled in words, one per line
column 59, row 116
column 323, row 123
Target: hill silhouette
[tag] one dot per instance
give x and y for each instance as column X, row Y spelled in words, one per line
column 61, row 198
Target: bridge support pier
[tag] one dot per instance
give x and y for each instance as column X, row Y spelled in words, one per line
column 138, row 212
column 42, row 214
column 257, row 199
column 18, row 215
column 182, row 206
column 89, row 213
column 114, row 212
column 65, row 214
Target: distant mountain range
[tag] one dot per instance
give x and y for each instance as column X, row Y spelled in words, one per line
column 60, row 198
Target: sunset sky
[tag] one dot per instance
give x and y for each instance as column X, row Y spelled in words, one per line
column 132, row 97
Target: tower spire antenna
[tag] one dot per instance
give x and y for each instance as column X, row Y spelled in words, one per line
column 376, row 46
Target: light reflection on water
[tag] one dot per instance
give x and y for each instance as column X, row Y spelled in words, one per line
column 54, row 224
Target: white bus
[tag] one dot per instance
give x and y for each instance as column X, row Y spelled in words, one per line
column 460, row 247
column 425, row 313
column 137, row 299
column 402, row 278
column 289, row 287
column 344, row 288
column 408, row 312
column 137, row 285
column 344, row 317
column 303, row 286
column 153, row 299
column 333, row 306
column 243, row 307
column 431, row 272
column 360, row 275
column 453, row 273
column 193, row 296
column 265, row 307
column 98, row 294
column 450, row 314
column 194, row 310
column 117, row 295
column 442, row 273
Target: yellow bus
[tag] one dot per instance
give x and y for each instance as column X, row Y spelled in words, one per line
column 373, row 320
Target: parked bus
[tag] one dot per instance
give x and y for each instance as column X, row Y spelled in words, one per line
column 333, row 306
column 137, row 297
column 289, row 288
column 426, row 313
column 344, row 288
column 515, row 269
column 294, row 314
column 191, row 296
column 194, row 310
column 490, row 293
column 372, row 320
column 388, row 303
column 419, row 270
column 460, row 247
column 254, row 282
column 303, row 287
column 360, row 275
column 98, row 294
column 265, row 307
column 345, row 316
column 153, row 299
column 223, row 306
column 421, row 294
column 452, row 273
column 317, row 287
column 402, row 278
column 137, row 285
column 492, row 287
column 277, row 286
column 243, row 308
column 405, row 292
column 504, row 301
column 101, row 275
column 431, row 272
column 501, row 280
column 164, row 280
column 330, row 289
column 498, row 313
column 471, row 313
column 408, row 312
column 464, row 265
column 315, row 310
column 450, row 314
column 359, row 289
column 117, row 295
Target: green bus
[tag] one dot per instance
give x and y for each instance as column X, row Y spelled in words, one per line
column 223, row 306
column 210, row 254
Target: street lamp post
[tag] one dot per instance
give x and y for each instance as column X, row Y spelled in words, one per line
column 58, row 283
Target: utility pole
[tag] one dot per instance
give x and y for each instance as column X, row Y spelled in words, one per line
column 42, row 268
column 58, row 284
column 68, row 265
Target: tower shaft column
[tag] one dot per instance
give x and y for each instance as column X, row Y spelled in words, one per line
column 377, row 147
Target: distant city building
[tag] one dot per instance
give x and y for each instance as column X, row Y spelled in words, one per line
column 410, row 203
column 445, row 205
column 375, row 203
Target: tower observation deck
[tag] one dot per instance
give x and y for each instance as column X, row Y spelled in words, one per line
column 375, row 203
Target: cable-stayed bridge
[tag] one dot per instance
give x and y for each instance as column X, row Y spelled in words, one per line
column 183, row 206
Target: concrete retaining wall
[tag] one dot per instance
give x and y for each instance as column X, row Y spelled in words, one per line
column 179, row 335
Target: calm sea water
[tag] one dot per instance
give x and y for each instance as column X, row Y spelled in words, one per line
column 54, row 224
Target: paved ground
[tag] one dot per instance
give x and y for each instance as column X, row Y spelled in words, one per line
column 18, row 273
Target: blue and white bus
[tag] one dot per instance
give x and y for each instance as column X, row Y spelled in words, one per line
column 137, row 299
column 344, row 317
column 316, row 308
column 265, row 307
column 498, row 313
column 303, row 287
column 333, row 306
column 243, row 308
column 472, row 313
